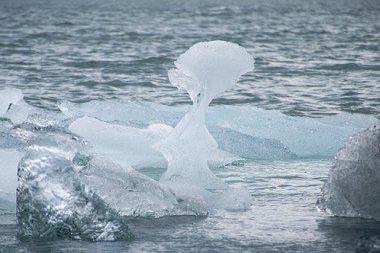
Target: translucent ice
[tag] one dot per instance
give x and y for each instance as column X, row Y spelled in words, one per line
column 251, row 147
column 205, row 70
column 134, row 194
column 8, row 97
column 304, row 137
column 9, row 159
column 52, row 203
column 128, row 145
column 352, row 188
column 131, row 146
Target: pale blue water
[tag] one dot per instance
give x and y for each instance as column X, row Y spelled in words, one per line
column 313, row 58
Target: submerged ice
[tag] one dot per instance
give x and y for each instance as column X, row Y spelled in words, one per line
column 53, row 203
column 352, row 188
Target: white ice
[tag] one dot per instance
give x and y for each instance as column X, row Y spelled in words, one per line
column 304, row 137
column 205, row 70
column 9, row 159
column 8, row 96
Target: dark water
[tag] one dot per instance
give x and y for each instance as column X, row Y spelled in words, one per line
column 312, row 57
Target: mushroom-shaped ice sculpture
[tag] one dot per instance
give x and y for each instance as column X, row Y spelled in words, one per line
column 205, row 71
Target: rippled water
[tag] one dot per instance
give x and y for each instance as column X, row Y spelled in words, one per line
column 312, row 57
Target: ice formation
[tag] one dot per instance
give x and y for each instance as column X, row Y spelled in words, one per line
column 248, row 146
column 352, row 188
column 53, row 203
column 132, row 146
column 128, row 145
column 133, row 194
column 205, row 70
column 304, row 137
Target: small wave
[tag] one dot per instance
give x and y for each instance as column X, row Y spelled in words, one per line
column 349, row 67
column 116, row 83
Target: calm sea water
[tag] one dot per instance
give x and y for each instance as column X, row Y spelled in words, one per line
column 313, row 58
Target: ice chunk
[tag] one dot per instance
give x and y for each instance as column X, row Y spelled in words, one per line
column 247, row 146
column 18, row 112
column 128, row 145
column 304, row 137
column 8, row 96
column 52, row 203
column 131, row 146
column 352, row 187
column 133, row 194
column 207, row 69
column 204, row 71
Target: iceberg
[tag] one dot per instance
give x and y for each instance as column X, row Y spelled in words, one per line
column 303, row 137
column 205, row 70
column 132, row 146
column 128, row 145
column 133, row 194
column 352, row 186
column 250, row 147
column 52, row 203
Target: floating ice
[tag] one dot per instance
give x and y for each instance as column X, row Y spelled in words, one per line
column 131, row 146
column 304, row 137
column 8, row 97
column 8, row 179
column 52, row 203
column 204, row 71
column 247, row 146
column 128, row 145
column 133, row 194
column 352, row 188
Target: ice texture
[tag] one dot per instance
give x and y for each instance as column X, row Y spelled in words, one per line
column 8, row 96
column 9, row 159
column 53, row 203
column 251, row 147
column 131, row 146
column 304, row 137
column 133, row 194
column 205, row 70
column 352, row 188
